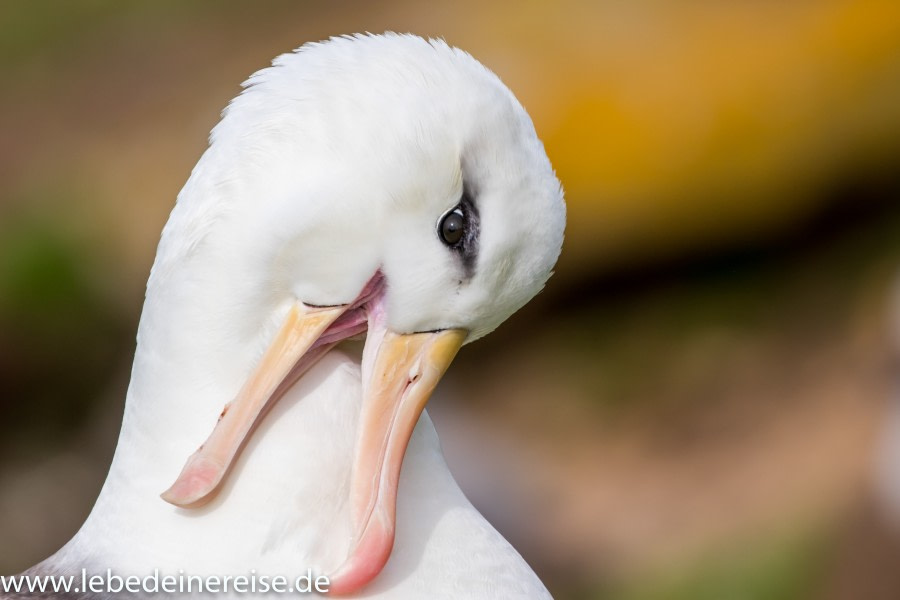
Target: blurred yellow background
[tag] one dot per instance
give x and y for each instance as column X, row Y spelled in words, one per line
column 699, row 404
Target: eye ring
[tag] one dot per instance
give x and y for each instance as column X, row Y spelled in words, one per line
column 452, row 227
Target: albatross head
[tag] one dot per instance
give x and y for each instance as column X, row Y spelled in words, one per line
column 384, row 185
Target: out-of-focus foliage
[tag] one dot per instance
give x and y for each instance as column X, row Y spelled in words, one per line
column 677, row 125
column 60, row 335
column 783, row 570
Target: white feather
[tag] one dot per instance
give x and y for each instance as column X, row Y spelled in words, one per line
column 334, row 162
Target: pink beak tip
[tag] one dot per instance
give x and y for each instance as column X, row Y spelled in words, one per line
column 195, row 483
column 365, row 562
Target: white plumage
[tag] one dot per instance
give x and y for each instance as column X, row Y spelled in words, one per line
column 337, row 163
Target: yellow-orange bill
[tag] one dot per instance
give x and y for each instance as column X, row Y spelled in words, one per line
column 302, row 327
column 399, row 374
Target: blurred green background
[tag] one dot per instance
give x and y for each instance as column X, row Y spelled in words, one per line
column 695, row 408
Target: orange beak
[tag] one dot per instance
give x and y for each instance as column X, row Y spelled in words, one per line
column 205, row 469
column 399, row 373
column 398, row 382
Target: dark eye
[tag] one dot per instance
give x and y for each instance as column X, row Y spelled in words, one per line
column 452, row 227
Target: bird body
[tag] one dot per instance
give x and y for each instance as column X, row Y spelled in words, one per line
column 444, row 547
column 322, row 208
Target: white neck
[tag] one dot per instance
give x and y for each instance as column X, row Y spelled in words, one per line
column 283, row 507
column 213, row 304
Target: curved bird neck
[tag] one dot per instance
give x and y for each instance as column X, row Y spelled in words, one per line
column 283, row 507
column 203, row 329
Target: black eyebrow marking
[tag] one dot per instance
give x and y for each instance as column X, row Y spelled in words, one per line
column 468, row 245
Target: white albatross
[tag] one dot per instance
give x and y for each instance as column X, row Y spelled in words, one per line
column 381, row 185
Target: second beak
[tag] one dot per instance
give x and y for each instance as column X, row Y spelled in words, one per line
column 399, row 373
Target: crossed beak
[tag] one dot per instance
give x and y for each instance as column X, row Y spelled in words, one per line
column 399, row 373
